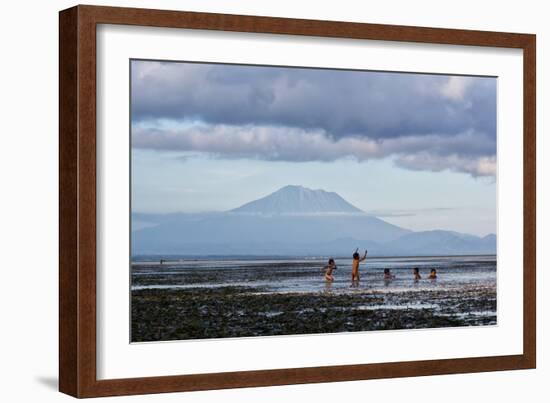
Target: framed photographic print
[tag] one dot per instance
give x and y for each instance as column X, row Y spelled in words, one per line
column 254, row 201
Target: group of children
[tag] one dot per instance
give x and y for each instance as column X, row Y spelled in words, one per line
column 417, row 276
column 331, row 266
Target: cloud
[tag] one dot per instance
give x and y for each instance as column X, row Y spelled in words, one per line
column 342, row 103
column 479, row 166
column 423, row 122
column 408, row 212
column 275, row 143
column 455, row 88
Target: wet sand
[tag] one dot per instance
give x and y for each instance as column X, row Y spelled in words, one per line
column 196, row 311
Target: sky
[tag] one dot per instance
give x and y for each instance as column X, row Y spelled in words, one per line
column 416, row 150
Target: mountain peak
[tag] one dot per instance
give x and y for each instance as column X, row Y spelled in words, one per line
column 296, row 199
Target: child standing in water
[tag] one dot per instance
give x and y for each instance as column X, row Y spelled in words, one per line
column 388, row 275
column 416, row 274
column 355, row 266
column 329, row 268
column 433, row 274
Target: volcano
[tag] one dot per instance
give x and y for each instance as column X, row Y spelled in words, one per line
column 292, row 221
column 294, row 199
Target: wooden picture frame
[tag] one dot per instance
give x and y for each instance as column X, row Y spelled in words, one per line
column 77, row 208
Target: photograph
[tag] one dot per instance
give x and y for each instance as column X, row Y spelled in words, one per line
column 286, row 200
column 246, row 202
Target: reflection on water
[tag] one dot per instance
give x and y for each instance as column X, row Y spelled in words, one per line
column 328, row 287
column 306, row 275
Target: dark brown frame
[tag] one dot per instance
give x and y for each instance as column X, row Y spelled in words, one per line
column 77, row 200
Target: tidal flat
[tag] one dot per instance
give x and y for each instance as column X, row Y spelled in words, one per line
column 206, row 300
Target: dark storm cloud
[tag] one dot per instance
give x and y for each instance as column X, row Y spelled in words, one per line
column 426, row 121
column 378, row 105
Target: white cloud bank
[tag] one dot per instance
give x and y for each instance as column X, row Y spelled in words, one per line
column 277, row 143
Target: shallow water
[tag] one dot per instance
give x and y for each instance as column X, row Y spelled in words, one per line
column 194, row 299
column 306, row 275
